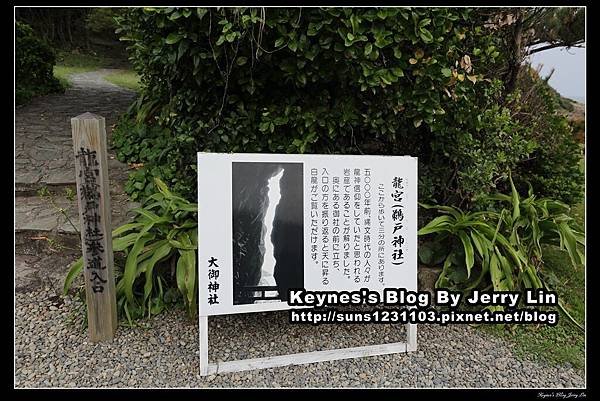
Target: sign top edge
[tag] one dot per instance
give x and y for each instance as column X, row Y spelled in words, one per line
column 302, row 154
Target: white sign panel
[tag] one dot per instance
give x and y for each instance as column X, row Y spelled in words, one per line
column 268, row 223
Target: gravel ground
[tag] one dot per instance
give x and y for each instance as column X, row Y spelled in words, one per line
column 51, row 350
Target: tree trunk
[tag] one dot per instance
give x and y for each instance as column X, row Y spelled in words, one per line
column 69, row 34
column 516, row 55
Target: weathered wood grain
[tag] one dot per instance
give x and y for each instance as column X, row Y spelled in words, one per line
column 89, row 134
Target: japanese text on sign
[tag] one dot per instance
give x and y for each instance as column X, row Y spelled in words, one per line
column 93, row 239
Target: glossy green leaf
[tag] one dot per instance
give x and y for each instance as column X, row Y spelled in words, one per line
column 74, row 271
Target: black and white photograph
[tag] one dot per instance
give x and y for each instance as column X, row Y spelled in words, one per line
column 268, row 259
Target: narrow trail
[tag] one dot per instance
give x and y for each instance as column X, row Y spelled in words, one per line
column 44, row 159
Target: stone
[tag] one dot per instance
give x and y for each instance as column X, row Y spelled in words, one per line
column 426, row 278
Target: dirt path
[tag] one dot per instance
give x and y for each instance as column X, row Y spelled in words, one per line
column 44, row 159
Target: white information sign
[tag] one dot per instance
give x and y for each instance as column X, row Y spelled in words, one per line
column 268, row 223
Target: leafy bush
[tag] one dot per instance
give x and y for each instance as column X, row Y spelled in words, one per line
column 500, row 248
column 34, row 61
column 417, row 81
column 147, row 147
column 159, row 267
column 552, row 167
column 101, row 21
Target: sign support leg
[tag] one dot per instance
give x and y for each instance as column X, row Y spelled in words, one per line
column 300, row 358
column 411, row 337
column 203, row 345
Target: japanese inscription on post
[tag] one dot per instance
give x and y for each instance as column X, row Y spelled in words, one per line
column 93, row 234
column 89, row 143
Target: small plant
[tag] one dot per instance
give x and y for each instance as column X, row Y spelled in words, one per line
column 500, row 248
column 45, row 193
column 55, row 245
column 69, row 194
column 159, row 264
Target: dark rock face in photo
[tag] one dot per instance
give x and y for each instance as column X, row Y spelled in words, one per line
column 249, row 203
column 288, row 232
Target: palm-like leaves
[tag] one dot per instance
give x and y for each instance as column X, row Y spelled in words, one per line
column 162, row 235
column 505, row 244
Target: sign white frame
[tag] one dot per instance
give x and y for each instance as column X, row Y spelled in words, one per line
column 207, row 368
column 301, row 358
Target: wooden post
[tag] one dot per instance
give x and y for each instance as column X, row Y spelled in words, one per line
column 91, row 172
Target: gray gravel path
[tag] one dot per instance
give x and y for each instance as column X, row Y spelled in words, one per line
column 51, row 351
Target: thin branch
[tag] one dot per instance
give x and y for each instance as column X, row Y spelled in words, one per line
column 554, row 45
column 210, row 43
column 353, row 139
column 227, row 77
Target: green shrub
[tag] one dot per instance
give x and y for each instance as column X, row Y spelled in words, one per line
column 426, row 82
column 34, row 60
column 378, row 81
column 159, row 265
column 500, row 248
column 552, row 167
column 145, row 145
